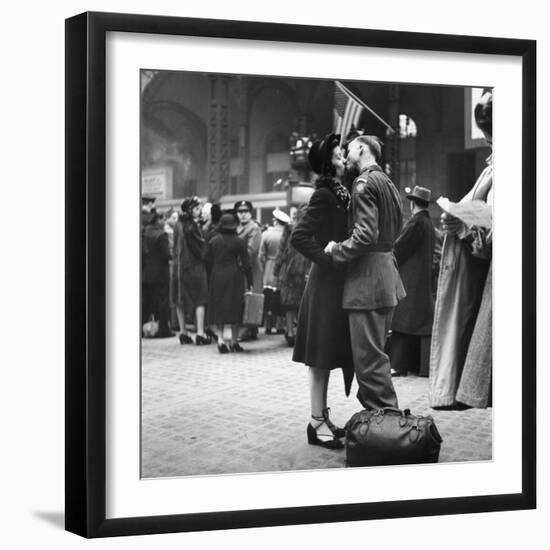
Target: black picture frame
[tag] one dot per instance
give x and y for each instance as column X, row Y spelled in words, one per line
column 86, row 264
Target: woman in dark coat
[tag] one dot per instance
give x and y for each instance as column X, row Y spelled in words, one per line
column 227, row 257
column 322, row 338
column 189, row 272
column 290, row 270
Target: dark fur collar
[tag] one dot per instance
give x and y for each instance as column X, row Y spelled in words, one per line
column 324, row 181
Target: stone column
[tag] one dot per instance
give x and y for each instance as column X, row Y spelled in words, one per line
column 244, row 135
column 218, row 137
column 393, row 156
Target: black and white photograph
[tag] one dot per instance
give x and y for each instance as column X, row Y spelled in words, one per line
column 274, row 275
column 316, row 273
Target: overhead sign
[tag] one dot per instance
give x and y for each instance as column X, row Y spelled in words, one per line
column 157, row 182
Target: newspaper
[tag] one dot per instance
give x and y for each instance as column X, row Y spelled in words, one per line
column 477, row 213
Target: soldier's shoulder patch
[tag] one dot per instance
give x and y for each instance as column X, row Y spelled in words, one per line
column 360, row 186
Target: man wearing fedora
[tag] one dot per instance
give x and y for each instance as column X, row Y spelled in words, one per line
column 412, row 319
column 373, row 286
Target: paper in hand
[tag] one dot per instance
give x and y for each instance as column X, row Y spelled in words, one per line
column 477, row 213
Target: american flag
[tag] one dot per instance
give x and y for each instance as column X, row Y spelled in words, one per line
column 347, row 110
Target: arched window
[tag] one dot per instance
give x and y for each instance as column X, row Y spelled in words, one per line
column 407, row 127
column 277, row 159
column 173, row 138
column 407, row 152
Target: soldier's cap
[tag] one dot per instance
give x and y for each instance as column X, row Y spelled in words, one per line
column 240, row 205
column 147, row 199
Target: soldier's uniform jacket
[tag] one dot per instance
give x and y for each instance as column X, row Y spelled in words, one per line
column 252, row 234
column 373, row 281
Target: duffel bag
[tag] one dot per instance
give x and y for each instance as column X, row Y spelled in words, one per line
column 391, row 436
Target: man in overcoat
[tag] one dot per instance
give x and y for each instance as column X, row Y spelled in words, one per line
column 156, row 274
column 413, row 317
column 373, row 286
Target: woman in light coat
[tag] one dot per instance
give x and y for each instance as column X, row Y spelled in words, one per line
column 461, row 350
column 291, row 269
column 269, row 249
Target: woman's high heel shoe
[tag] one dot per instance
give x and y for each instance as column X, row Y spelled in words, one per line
column 210, row 334
column 336, row 431
column 201, row 340
column 222, row 348
column 313, row 438
column 185, row 339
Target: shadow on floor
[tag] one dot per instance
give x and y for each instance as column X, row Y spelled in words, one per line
column 57, row 519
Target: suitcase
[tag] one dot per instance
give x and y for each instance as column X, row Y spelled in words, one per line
column 253, row 309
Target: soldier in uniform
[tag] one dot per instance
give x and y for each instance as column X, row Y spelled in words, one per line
column 249, row 230
column 373, row 286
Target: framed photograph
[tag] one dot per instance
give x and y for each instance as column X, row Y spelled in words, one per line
column 210, row 291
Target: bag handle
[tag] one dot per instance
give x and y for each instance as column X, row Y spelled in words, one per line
column 404, row 412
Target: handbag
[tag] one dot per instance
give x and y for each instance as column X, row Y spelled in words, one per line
column 391, row 436
column 151, row 328
column 253, row 311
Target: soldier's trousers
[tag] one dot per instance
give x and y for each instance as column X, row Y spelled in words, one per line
column 368, row 332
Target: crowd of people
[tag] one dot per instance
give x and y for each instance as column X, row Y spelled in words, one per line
column 348, row 285
column 198, row 263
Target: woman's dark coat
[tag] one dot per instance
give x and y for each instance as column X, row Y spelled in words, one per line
column 156, row 255
column 414, row 251
column 322, row 337
column 156, row 275
column 189, row 272
column 227, row 258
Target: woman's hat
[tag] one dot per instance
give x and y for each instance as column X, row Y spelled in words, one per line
column 190, row 203
column 320, row 152
column 227, row 223
column 422, row 193
column 281, row 216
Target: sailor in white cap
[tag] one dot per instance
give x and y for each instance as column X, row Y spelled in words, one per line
column 281, row 217
column 269, row 248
